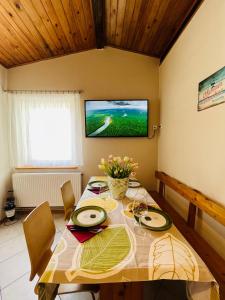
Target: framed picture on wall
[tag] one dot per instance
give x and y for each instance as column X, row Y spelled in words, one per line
column 211, row 91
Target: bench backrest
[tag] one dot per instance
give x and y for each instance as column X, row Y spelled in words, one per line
column 196, row 199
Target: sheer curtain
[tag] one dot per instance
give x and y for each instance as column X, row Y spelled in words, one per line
column 45, row 129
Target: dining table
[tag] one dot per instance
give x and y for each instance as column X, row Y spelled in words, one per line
column 120, row 256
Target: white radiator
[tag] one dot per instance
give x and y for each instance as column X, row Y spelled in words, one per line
column 30, row 189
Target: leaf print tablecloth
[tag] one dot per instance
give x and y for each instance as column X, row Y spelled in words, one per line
column 118, row 254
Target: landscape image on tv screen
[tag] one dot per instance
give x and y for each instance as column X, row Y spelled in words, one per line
column 116, row 118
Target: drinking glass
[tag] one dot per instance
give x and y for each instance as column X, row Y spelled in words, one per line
column 140, row 210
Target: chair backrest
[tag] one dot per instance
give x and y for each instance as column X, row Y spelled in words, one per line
column 68, row 199
column 39, row 230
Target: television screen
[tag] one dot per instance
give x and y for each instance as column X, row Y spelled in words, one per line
column 116, row 118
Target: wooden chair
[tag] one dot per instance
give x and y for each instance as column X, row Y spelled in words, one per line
column 68, row 199
column 39, row 230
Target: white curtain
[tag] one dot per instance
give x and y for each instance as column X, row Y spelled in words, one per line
column 45, row 129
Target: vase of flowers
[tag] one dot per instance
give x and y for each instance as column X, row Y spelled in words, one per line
column 118, row 171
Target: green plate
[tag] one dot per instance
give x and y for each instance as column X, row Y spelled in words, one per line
column 98, row 184
column 156, row 220
column 89, row 216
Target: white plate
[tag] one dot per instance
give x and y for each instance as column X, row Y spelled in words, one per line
column 134, row 184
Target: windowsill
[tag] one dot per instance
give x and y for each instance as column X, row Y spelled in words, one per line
column 47, row 168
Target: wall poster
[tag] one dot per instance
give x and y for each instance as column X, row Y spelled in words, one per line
column 211, row 91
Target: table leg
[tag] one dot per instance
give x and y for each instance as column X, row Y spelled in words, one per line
column 121, row 291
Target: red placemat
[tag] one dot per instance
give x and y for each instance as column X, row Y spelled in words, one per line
column 84, row 235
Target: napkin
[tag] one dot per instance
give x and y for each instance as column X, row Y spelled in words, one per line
column 98, row 190
column 84, row 234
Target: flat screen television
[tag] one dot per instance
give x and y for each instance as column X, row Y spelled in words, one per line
column 116, row 118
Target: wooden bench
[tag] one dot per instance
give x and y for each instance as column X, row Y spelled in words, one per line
column 197, row 201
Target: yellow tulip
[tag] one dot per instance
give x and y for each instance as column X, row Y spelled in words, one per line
column 119, row 159
column 101, row 167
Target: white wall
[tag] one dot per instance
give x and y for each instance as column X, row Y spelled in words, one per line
column 101, row 74
column 4, row 157
column 192, row 143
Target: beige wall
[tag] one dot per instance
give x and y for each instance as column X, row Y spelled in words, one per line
column 109, row 74
column 192, row 143
column 3, row 78
column 4, row 157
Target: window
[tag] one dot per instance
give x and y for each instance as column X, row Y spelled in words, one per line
column 45, row 129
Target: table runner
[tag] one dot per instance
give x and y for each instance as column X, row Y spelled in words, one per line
column 118, row 254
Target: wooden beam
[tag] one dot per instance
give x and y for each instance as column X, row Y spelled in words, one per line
column 98, row 7
column 213, row 209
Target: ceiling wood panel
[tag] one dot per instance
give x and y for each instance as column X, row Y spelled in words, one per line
column 5, row 58
column 59, row 9
column 113, row 17
column 22, row 17
column 12, row 47
column 19, row 26
column 42, row 20
column 177, row 29
column 87, row 20
column 33, row 30
column 40, row 23
column 146, row 26
column 10, row 41
column 130, row 5
column 155, row 27
column 73, row 26
column 121, row 6
column 56, row 24
column 7, row 21
column 138, row 9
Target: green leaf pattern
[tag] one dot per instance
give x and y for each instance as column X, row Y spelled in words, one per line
column 105, row 254
column 105, row 251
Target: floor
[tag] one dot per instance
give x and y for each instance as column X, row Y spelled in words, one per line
column 15, row 264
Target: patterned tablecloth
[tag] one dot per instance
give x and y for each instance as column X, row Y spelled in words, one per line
column 119, row 254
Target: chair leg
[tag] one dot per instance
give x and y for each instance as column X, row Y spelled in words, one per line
column 92, row 295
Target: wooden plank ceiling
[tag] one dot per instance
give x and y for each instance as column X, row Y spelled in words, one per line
column 33, row 30
column 146, row 26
